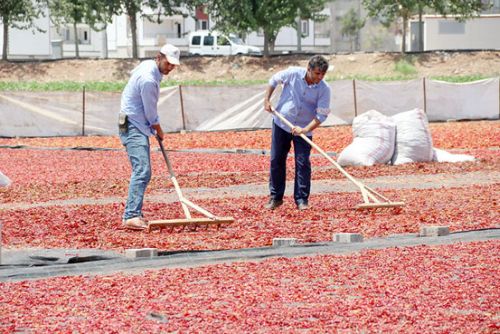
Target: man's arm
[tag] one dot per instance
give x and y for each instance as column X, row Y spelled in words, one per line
column 281, row 77
column 297, row 130
column 267, row 99
column 150, row 95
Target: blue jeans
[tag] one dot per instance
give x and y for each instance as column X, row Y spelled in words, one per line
column 137, row 145
column 280, row 146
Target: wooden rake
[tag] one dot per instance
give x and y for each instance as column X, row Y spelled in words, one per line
column 189, row 221
column 371, row 198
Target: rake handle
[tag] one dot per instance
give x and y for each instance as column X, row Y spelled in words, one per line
column 317, row 148
column 174, row 179
column 162, row 149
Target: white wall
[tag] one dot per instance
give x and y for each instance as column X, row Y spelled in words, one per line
column 29, row 44
column 93, row 49
column 477, row 33
column 287, row 40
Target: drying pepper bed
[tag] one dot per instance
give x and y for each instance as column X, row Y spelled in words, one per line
column 422, row 289
column 438, row 289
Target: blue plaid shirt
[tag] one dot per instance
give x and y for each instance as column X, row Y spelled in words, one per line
column 300, row 103
column 140, row 96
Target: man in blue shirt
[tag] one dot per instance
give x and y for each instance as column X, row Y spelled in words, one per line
column 138, row 121
column 305, row 102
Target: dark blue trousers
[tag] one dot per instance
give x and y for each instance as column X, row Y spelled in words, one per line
column 280, row 146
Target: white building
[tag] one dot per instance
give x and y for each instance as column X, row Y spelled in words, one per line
column 28, row 44
column 116, row 40
column 480, row 33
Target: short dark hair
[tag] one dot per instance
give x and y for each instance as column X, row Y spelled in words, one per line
column 318, row 62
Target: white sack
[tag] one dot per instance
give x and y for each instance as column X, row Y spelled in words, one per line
column 373, row 143
column 413, row 137
column 4, row 180
column 443, row 156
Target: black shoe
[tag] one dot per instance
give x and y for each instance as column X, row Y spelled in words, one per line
column 302, row 206
column 273, row 204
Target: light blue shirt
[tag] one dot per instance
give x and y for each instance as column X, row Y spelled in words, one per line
column 300, row 103
column 140, row 96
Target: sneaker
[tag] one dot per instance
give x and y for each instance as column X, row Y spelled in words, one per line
column 273, row 204
column 136, row 223
column 302, row 206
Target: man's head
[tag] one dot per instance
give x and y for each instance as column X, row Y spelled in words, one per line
column 316, row 69
column 167, row 58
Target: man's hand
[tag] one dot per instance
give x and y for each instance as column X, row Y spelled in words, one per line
column 297, row 131
column 160, row 134
column 268, row 106
column 159, row 131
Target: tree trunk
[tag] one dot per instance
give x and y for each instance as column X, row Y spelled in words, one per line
column 357, row 40
column 299, row 34
column 266, row 44
column 403, row 43
column 5, row 47
column 420, row 29
column 333, row 27
column 105, row 42
column 77, row 51
column 133, row 28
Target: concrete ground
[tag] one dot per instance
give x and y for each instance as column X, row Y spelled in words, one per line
column 318, row 186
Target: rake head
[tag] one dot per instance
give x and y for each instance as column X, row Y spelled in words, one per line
column 191, row 223
column 364, row 206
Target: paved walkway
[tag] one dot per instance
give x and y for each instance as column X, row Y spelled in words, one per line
column 318, row 186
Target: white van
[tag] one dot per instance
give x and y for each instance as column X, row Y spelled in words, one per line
column 205, row 42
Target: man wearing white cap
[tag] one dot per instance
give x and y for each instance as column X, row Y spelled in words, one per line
column 138, row 120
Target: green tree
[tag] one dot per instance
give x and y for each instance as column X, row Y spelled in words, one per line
column 268, row 16
column 351, row 25
column 136, row 8
column 389, row 11
column 98, row 13
column 19, row 14
column 70, row 12
column 308, row 11
column 95, row 13
column 102, row 14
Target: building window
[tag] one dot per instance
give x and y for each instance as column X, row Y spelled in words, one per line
column 451, row 28
column 304, row 27
column 201, row 25
column 83, row 34
column 179, row 29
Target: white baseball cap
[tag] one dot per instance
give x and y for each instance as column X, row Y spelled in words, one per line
column 172, row 53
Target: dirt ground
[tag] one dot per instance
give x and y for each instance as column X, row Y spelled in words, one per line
column 254, row 68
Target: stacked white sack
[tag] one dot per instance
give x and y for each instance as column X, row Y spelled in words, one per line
column 4, row 180
column 373, row 143
column 413, row 137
